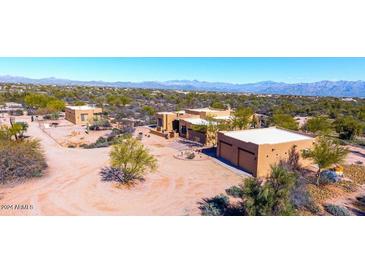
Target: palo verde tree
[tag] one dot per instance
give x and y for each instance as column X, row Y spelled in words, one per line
column 318, row 125
column 348, row 128
column 325, row 153
column 285, row 121
column 44, row 103
column 218, row 105
column 242, row 118
column 132, row 158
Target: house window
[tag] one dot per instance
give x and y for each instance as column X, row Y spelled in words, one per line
column 183, row 129
column 84, row 117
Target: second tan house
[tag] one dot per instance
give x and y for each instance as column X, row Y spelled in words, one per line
column 256, row 150
column 82, row 115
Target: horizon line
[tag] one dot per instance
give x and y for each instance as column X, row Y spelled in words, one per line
column 172, row 80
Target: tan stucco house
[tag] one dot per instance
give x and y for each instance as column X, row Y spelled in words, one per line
column 255, row 150
column 182, row 123
column 82, row 115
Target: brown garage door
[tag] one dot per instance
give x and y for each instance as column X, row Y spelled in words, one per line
column 246, row 160
column 226, row 151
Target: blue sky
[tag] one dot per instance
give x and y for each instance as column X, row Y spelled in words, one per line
column 233, row 70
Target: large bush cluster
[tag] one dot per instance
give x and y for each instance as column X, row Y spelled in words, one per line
column 20, row 160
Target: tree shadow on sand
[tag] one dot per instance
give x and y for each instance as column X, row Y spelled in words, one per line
column 358, row 206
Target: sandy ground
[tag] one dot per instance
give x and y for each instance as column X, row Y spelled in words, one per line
column 67, row 133
column 356, row 154
column 72, row 186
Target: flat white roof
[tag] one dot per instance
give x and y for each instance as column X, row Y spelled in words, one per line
column 86, row 107
column 197, row 121
column 269, row 135
column 165, row 112
column 205, row 109
column 225, row 117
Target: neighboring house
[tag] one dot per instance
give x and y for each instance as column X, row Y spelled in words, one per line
column 212, row 112
column 256, row 150
column 82, row 115
column 11, row 106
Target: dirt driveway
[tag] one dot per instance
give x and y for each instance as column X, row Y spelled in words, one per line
column 72, row 185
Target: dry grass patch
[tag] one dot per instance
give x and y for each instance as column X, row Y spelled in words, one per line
column 356, row 174
column 355, row 177
column 301, row 212
column 324, row 192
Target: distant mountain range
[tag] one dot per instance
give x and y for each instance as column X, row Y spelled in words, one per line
column 321, row 88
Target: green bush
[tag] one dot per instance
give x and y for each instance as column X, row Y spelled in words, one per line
column 52, row 116
column 235, row 191
column 100, row 124
column 348, row 128
column 100, row 142
column 285, row 121
column 336, row 210
column 216, row 206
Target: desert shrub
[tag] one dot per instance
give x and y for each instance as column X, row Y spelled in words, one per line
column 272, row 198
column 285, row 121
column 318, row 125
column 20, row 160
column 100, row 142
column 348, row 127
column 216, row 206
column 117, row 132
column 51, row 116
column 235, row 191
column 190, row 156
column 21, row 127
column 328, row 177
column 125, row 130
column 16, row 130
column 111, row 174
column 100, row 124
column 108, row 141
column 302, row 198
column 336, row 210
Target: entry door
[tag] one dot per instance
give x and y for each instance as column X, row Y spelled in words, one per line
column 175, row 125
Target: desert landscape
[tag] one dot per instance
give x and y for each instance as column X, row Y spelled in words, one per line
column 72, row 185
